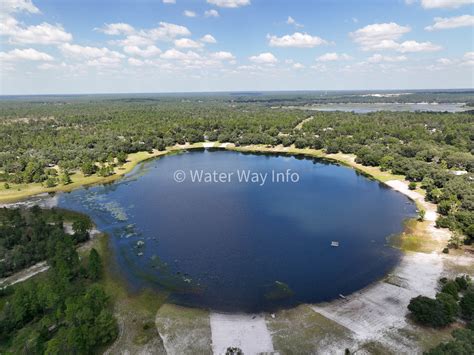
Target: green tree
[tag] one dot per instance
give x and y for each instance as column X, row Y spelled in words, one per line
column 94, row 267
column 88, row 168
column 467, row 305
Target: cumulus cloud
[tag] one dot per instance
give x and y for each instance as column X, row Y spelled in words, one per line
column 10, row 6
column 444, row 61
column 414, row 46
column 438, row 4
column 222, row 55
column 332, row 57
column 264, row 58
column 119, row 28
column 378, row 35
column 149, row 51
column 229, row 3
column 167, row 31
column 169, row 1
column 385, row 36
column 43, row 33
column 175, row 54
column 24, row 54
column 443, row 23
column 95, row 56
column 378, row 58
column 468, row 59
column 297, row 39
column 208, row 39
column 211, row 13
column 187, row 43
column 164, row 32
column 189, row 13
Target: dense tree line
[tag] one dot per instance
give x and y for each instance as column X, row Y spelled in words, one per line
column 26, row 235
column 91, row 134
column 66, row 312
column 455, row 299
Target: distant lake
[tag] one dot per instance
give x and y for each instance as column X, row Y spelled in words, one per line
column 236, row 246
column 374, row 107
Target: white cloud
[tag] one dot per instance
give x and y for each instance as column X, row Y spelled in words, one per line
column 189, row 13
column 169, row 1
column 378, row 58
column 187, row 43
column 103, row 54
column 10, row 6
column 437, row 4
column 138, row 62
column 468, row 59
column 332, row 57
column 211, row 13
column 414, row 46
column 117, row 29
column 444, row 61
column 147, row 52
column 229, row 3
column 168, row 31
column 43, row 33
column 24, row 54
column 264, row 58
column 174, row 54
column 297, row 39
column 378, row 35
column 222, row 56
column 208, row 39
column 298, row 66
column 384, row 36
column 443, row 23
column 292, row 21
column 164, row 32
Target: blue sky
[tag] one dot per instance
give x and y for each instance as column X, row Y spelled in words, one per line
column 52, row 46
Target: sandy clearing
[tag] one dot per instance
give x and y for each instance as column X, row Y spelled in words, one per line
column 184, row 330
column 25, row 274
column 208, row 144
column 377, row 312
column 245, row 331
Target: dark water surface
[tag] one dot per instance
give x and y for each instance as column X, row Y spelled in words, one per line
column 238, row 246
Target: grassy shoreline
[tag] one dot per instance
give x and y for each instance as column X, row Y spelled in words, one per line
column 19, row 192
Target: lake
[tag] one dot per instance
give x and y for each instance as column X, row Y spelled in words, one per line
column 236, row 244
column 394, row 107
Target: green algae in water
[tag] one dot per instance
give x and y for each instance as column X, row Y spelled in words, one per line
column 278, row 291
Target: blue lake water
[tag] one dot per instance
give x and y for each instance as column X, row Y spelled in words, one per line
column 236, row 246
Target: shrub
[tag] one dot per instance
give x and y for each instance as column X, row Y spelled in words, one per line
column 437, row 312
column 467, row 305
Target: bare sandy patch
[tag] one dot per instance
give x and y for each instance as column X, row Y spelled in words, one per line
column 184, row 330
column 245, row 331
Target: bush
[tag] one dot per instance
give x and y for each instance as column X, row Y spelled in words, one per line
column 412, row 185
column 437, row 312
column 451, row 288
column 467, row 305
column 463, row 343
